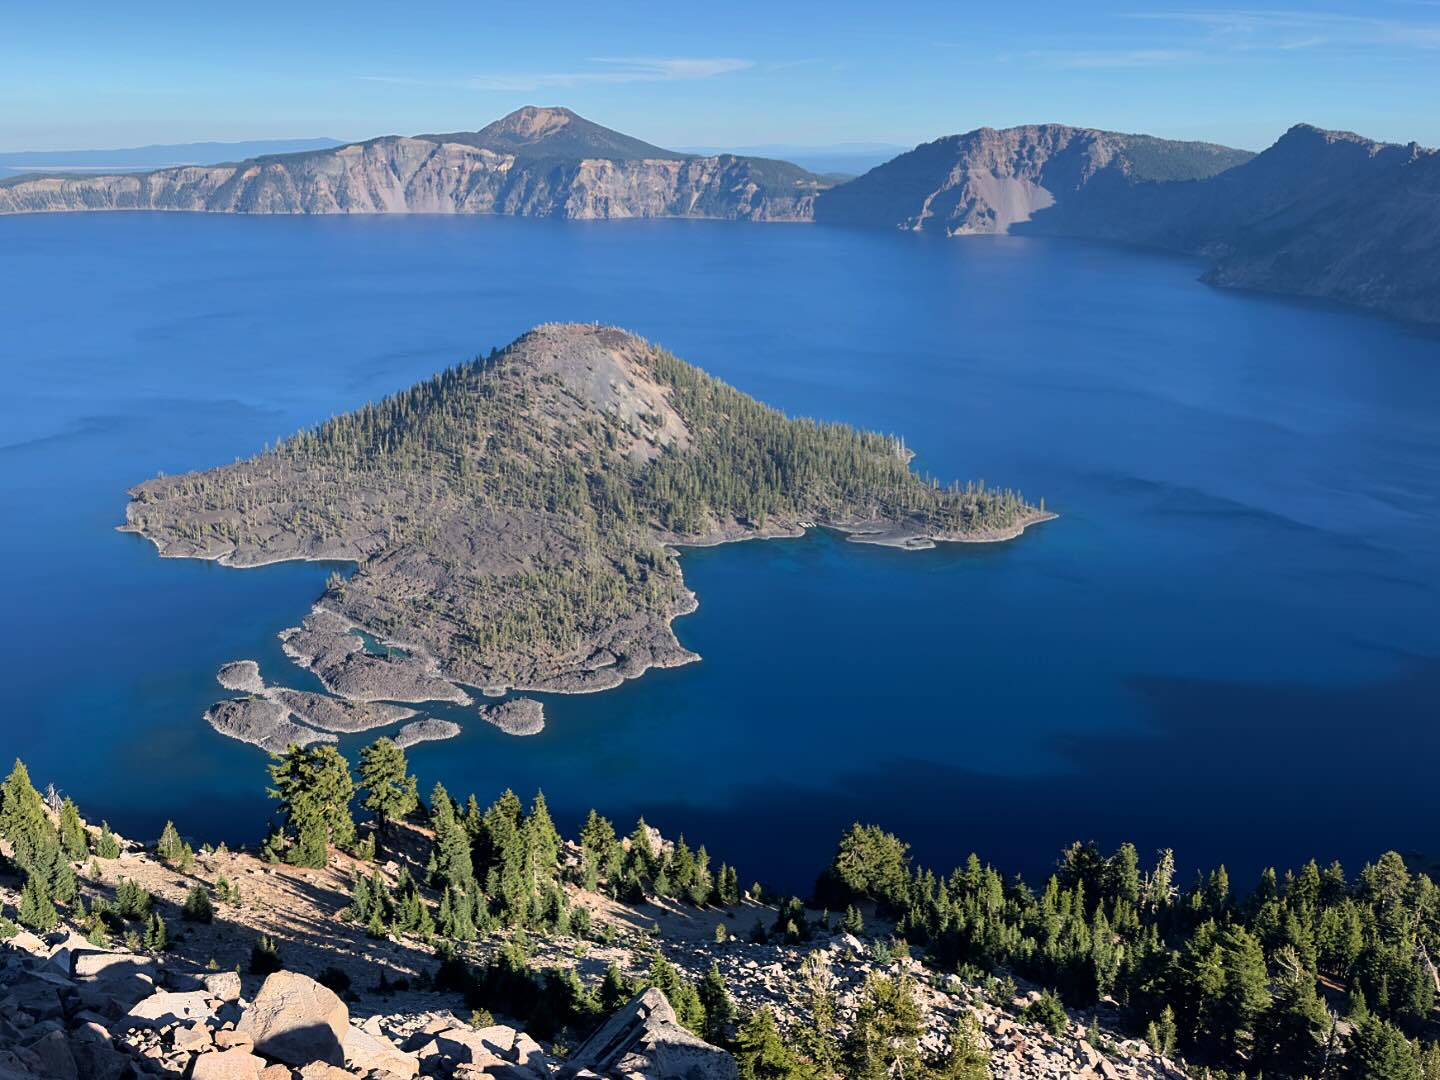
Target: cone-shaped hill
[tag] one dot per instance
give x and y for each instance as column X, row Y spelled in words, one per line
column 511, row 516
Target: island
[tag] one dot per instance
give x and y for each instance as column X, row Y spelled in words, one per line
column 516, row 522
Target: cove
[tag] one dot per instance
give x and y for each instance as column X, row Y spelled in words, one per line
column 1226, row 644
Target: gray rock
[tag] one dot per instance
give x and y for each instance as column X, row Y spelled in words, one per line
column 644, row 1038
column 236, row 1064
column 160, row 1010
column 369, row 1052
column 296, row 1020
column 224, row 985
column 56, row 1060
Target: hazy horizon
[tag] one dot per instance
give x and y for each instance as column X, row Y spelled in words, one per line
column 820, row 75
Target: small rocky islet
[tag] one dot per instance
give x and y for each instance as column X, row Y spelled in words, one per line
column 516, row 524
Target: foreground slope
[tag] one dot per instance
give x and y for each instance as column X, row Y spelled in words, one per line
column 535, row 163
column 511, row 517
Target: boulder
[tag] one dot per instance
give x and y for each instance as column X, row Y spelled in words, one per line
column 645, row 1038
column 319, row 1070
column 62, row 955
column 56, row 1060
column 369, row 1052
column 228, row 1040
column 194, row 1037
column 296, row 1020
column 224, row 985
column 165, row 1008
column 237, row 1064
column 27, row 942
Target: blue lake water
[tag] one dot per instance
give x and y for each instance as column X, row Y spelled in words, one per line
column 1228, row 643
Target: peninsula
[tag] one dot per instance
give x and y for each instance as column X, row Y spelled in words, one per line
column 514, row 519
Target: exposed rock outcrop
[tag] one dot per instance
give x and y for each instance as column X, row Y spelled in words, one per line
column 645, row 1039
column 533, row 163
column 1323, row 214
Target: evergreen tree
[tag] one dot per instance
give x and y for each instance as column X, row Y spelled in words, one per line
column 72, row 831
column 761, row 1054
column 967, row 1057
column 542, row 843
column 157, row 934
column 682, row 995
column 1380, row 1051
column 314, row 789
column 106, row 846
column 23, row 820
column 169, row 847
column 452, row 844
column 599, row 851
column 198, row 907
column 819, row 1038
column 1292, row 1036
column 716, row 1006
column 390, row 790
column 884, row 1040
column 36, row 910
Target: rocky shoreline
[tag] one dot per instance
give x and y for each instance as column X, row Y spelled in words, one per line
column 518, row 716
column 503, row 591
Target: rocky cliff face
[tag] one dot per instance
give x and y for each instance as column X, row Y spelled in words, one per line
column 987, row 181
column 534, row 163
column 1322, row 214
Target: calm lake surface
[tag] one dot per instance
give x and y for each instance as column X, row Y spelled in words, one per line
column 1227, row 644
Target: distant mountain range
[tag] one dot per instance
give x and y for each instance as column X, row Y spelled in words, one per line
column 141, row 158
column 535, row 162
column 1323, row 214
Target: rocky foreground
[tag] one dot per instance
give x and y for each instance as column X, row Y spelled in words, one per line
column 347, row 1005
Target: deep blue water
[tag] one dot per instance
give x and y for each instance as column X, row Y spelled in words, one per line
column 1228, row 643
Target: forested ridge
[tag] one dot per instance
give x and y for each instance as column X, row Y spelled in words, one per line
column 526, row 499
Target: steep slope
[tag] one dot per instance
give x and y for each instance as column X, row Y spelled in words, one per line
column 1323, row 214
column 987, row 180
column 511, row 516
column 555, row 133
column 533, row 163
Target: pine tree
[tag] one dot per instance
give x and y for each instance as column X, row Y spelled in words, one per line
column 1380, row 1051
column 265, row 956
column 36, row 910
column 106, row 846
column 819, row 1038
column 169, row 846
column 23, row 820
column 72, row 831
column 390, row 791
column 542, row 842
column 718, row 1008
column 452, row 844
column 314, row 788
column 967, row 1056
column 884, row 1040
column 761, row 1054
column 156, row 933
column 198, row 907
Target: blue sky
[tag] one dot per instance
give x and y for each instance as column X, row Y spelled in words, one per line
column 747, row 72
